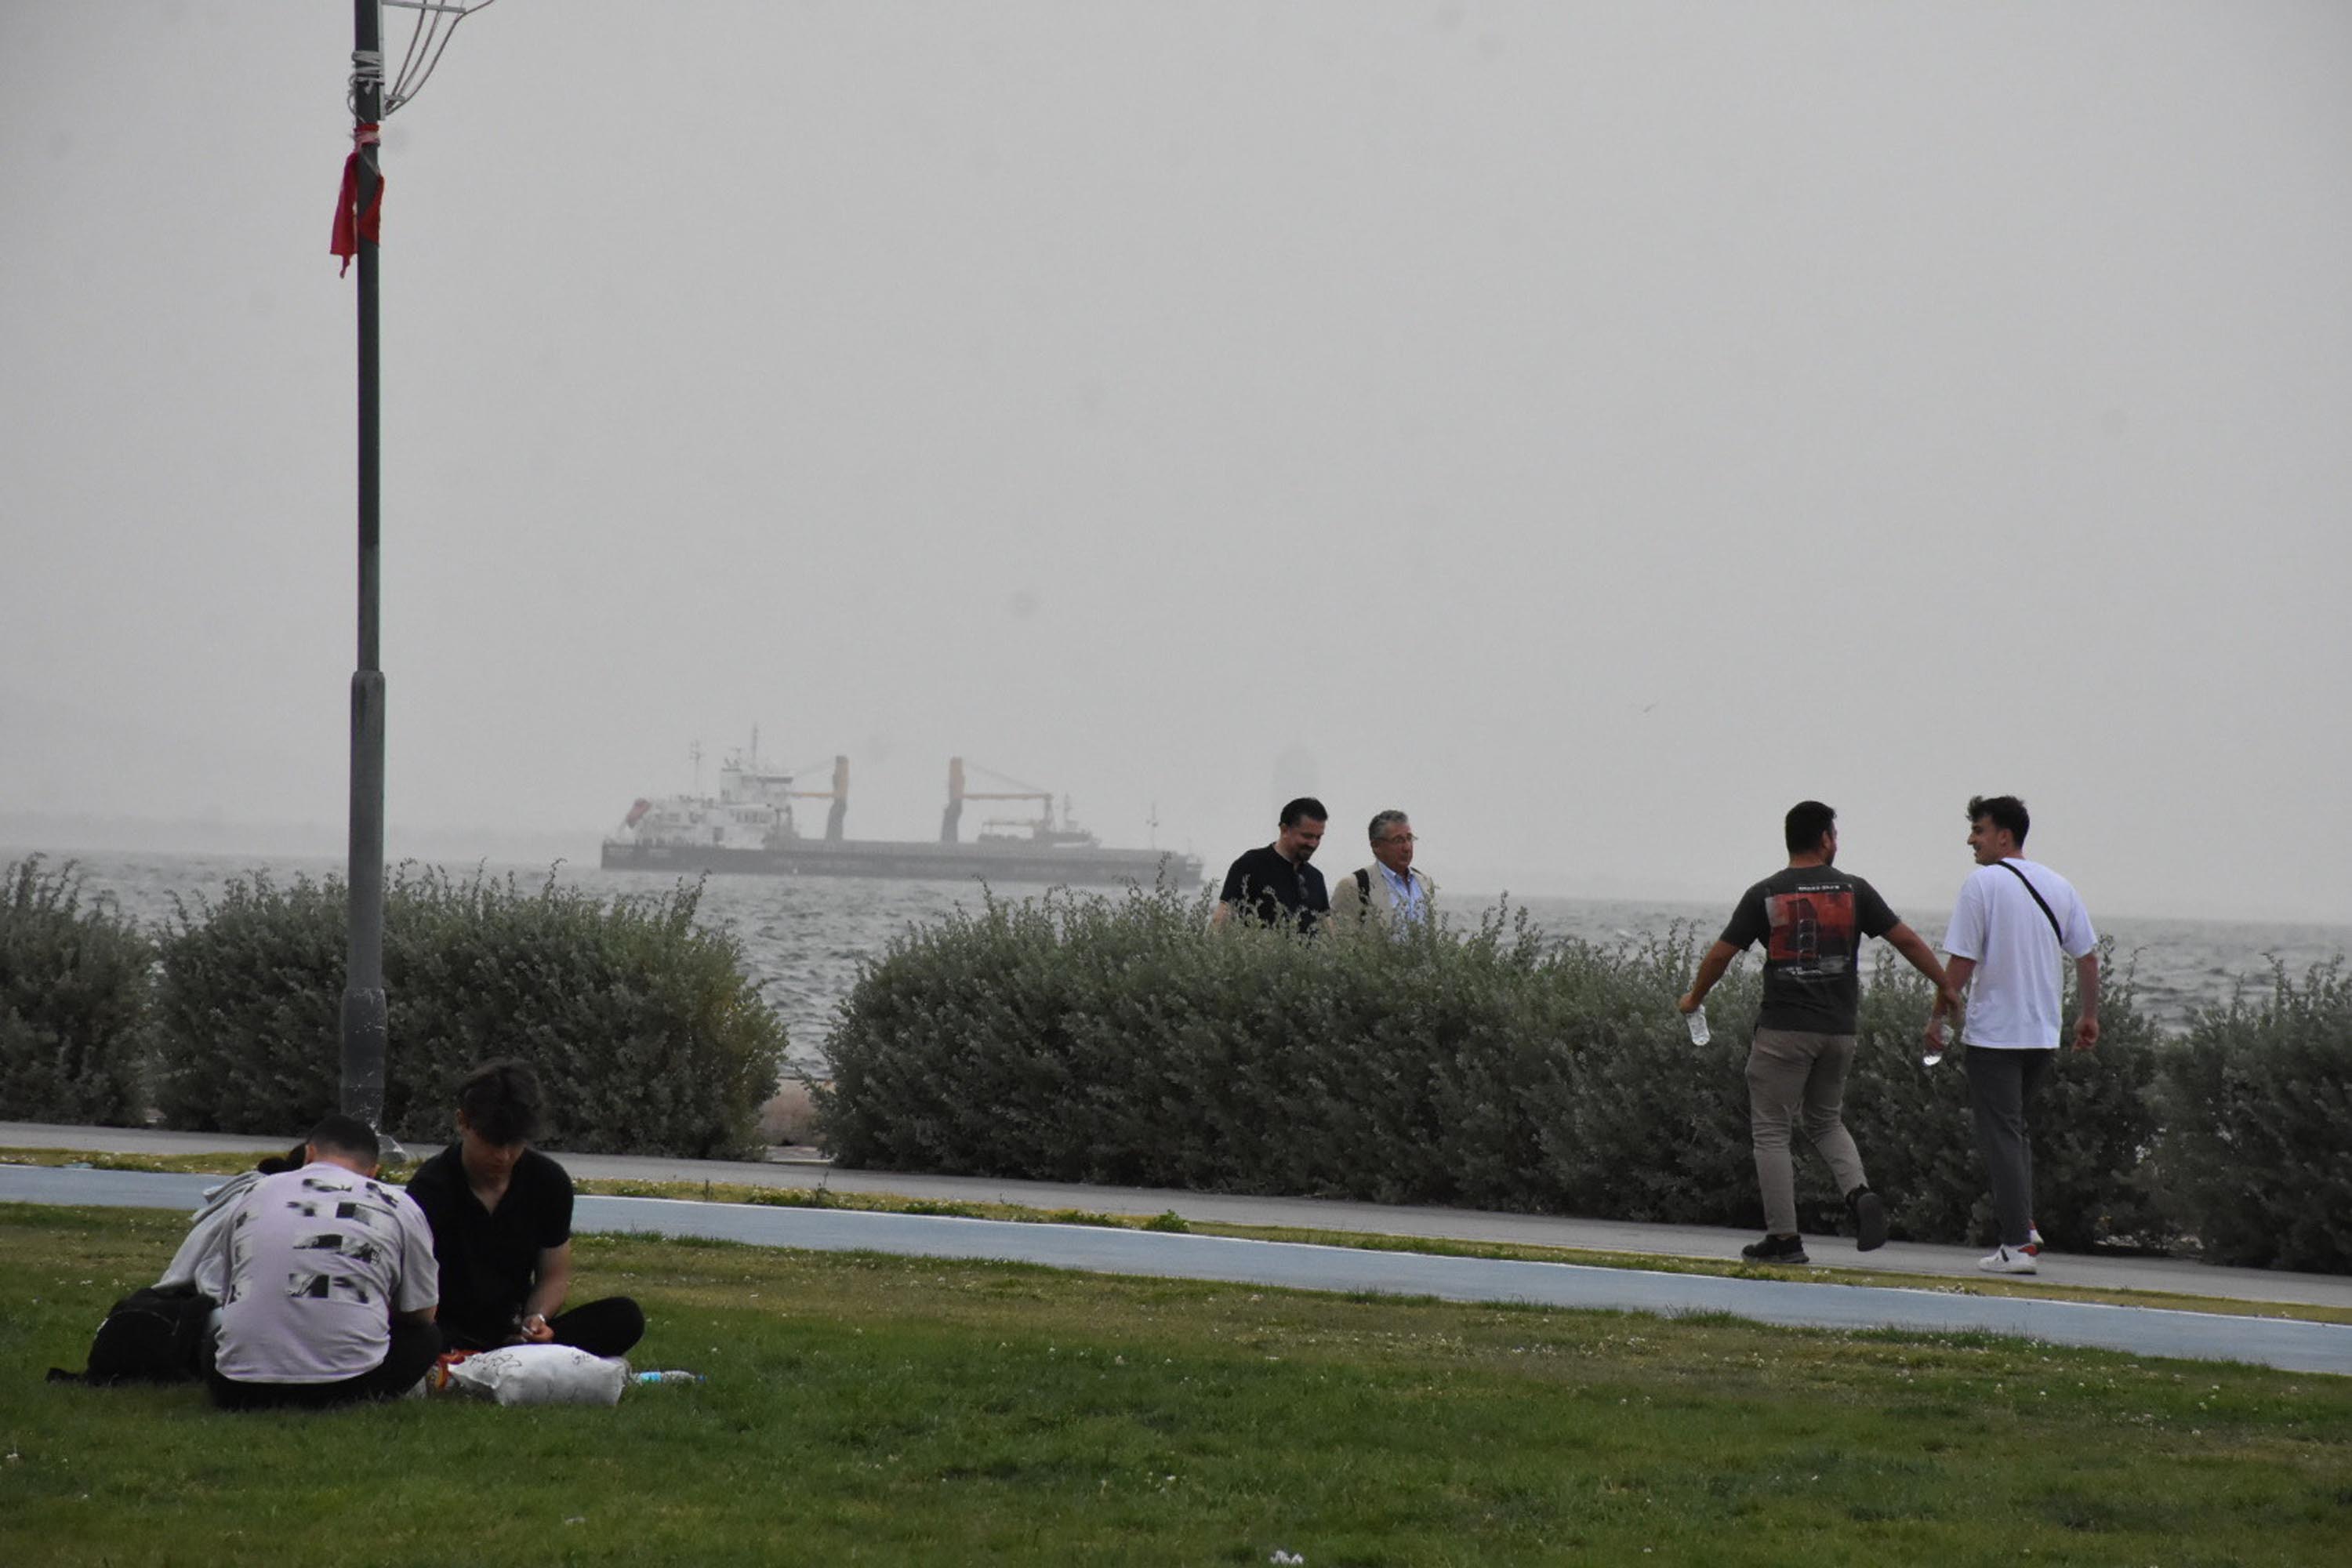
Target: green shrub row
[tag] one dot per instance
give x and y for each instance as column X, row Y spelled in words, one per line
column 1117, row 1039
column 73, row 995
column 1086, row 1038
column 643, row 1028
column 2257, row 1156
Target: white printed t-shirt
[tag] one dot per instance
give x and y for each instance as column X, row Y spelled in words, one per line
column 2013, row 997
column 318, row 1259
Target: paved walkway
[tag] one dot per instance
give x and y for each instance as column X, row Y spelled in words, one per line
column 805, row 1170
column 2298, row 1346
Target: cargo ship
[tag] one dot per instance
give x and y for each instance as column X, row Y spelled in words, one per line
column 749, row 826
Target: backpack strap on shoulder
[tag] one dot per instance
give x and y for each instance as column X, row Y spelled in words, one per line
column 2038, row 899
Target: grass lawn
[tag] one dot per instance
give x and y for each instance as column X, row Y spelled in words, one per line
column 880, row 1410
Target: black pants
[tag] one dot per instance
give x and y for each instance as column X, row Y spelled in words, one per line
column 2000, row 1083
column 609, row 1327
column 413, row 1349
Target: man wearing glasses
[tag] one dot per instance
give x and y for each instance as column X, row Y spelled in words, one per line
column 1389, row 888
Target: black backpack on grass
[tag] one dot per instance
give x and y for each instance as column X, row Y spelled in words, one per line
column 156, row 1334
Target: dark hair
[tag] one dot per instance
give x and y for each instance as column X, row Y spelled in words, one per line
column 1305, row 805
column 2004, row 811
column 1806, row 822
column 502, row 1102
column 294, row 1159
column 347, row 1135
column 1389, row 818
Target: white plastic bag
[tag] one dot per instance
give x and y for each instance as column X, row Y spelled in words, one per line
column 541, row 1374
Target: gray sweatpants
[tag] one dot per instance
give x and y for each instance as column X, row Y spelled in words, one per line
column 1999, row 1082
column 1795, row 1075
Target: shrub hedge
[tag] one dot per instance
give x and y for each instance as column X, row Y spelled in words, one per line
column 73, row 992
column 643, row 1028
column 2256, row 1160
column 1117, row 1039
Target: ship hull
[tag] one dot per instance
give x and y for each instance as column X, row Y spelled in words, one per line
column 1077, row 866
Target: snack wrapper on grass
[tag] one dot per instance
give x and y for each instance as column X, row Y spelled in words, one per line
column 540, row 1374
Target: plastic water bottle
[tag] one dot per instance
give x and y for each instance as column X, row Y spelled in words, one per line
column 1696, row 1020
column 1935, row 1051
column 670, row 1376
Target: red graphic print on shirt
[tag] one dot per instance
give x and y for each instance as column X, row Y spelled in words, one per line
column 1812, row 930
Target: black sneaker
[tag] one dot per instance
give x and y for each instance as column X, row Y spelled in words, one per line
column 1869, row 1219
column 1776, row 1249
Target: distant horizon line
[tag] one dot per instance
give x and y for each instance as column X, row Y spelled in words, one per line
column 540, row 849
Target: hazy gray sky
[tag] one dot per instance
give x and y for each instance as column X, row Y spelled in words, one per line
column 1590, row 427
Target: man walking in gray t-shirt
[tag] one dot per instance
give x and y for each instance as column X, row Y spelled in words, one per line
column 330, row 1283
column 1813, row 919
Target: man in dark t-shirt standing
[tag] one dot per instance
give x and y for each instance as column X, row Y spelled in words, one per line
column 501, row 1218
column 1811, row 919
column 1275, row 885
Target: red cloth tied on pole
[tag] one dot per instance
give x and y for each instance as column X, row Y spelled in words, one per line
column 351, row 224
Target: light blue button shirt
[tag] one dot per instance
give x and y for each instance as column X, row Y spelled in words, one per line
column 1410, row 904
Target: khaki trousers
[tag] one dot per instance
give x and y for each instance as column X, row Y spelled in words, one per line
column 1796, row 1076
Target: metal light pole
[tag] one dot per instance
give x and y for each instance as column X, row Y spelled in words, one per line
column 365, row 1031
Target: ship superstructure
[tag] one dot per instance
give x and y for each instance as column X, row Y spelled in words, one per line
column 753, row 808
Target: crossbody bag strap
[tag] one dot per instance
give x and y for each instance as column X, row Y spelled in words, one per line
column 2038, row 899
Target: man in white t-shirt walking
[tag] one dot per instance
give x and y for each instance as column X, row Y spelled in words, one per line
column 331, row 1284
column 2013, row 921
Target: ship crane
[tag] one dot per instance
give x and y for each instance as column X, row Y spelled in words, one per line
column 839, row 795
column 1042, row 829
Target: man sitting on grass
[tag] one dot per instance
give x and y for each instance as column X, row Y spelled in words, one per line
column 329, row 1283
column 501, row 1218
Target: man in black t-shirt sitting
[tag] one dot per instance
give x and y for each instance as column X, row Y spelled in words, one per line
column 1812, row 920
column 501, row 1218
column 1276, row 884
